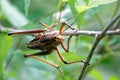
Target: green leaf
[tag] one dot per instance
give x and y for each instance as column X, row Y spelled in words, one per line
column 114, row 78
column 21, row 68
column 65, row 0
column 16, row 18
column 27, row 5
column 92, row 12
column 97, row 75
column 81, row 5
column 74, row 12
column 5, row 45
column 28, row 26
column 87, row 1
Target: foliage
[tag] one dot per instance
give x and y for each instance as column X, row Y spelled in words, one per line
column 26, row 15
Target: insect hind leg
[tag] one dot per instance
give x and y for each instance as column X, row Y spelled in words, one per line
column 68, row 44
column 38, row 54
column 65, row 62
column 44, row 61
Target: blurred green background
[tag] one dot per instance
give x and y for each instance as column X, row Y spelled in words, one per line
column 26, row 15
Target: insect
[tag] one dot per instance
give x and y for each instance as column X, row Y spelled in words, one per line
column 48, row 40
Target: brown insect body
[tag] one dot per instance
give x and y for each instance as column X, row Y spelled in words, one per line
column 46, row 41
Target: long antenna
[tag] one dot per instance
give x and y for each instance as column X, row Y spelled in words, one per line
column 73, row 21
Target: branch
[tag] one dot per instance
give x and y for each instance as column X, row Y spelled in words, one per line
column 74, row 33
column 98, row 34
column 91, row 33
column 96, row 41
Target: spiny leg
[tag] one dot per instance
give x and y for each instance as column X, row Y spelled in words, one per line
column 44, row 61
column 65, row 62
column 68, row 44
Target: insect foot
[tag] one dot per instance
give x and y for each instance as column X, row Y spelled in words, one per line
column 61, row 71
column 75, row 29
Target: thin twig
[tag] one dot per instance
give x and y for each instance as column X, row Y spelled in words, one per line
column 96, row 41
column 73, row 33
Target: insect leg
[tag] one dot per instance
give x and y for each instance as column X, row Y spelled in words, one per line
column 45, row 25
column 44, row 61
column 68, row 44
column 65, row 62
column 63, row 25
column 38, row 54
column 27, row 32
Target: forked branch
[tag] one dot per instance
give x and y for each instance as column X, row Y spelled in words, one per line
column 96, row 41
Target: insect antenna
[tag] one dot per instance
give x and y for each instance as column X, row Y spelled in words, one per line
column 73, row 21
